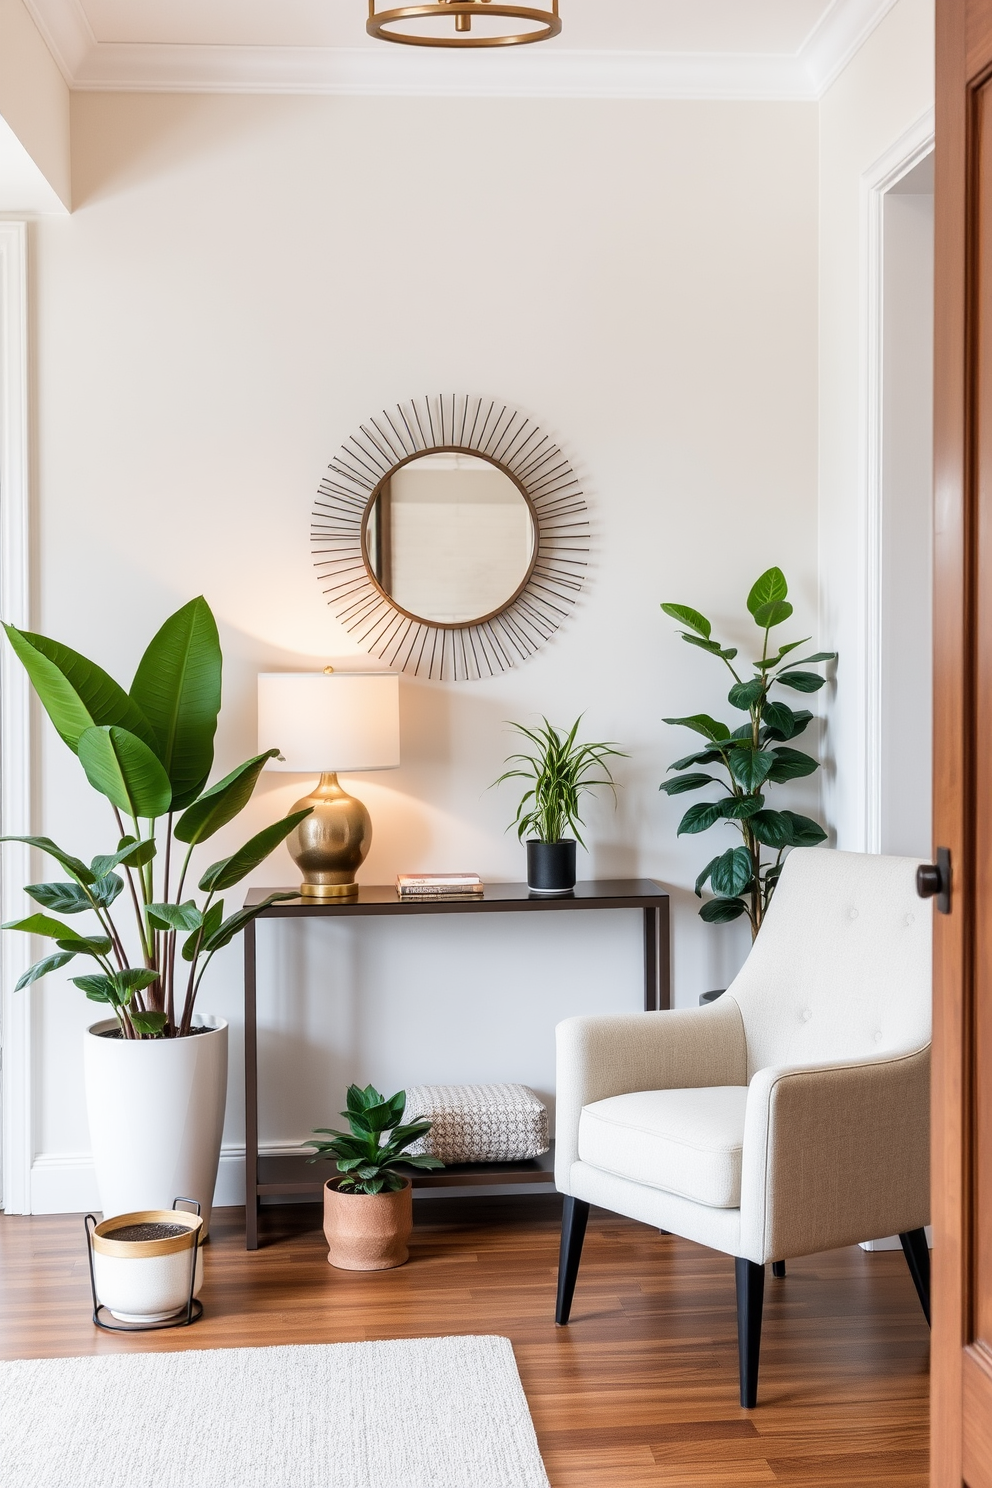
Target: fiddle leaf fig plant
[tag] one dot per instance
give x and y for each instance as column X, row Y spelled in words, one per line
column 369, row 1156
column 149, row 751
column 753, row 757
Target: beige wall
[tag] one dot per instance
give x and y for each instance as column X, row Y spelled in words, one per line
column 884, row 91
column 34, row 104
column 243, row 281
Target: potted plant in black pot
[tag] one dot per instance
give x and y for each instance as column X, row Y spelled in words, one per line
column 558, row 773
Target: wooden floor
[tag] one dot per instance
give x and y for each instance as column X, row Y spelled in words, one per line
column 639, row 1390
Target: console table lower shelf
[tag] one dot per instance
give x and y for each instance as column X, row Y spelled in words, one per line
column 291, row 1177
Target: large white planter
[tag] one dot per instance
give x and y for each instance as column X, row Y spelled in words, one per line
column 156, row 1114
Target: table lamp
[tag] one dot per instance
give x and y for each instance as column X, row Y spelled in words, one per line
column 324, row 722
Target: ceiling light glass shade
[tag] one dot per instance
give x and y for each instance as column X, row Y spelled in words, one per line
column 464, row 23
column 321, row 721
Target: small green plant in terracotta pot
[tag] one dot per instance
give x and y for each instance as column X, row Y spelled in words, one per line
column 368, row 1209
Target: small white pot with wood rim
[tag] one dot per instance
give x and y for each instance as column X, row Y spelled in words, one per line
column 143, row 1264
column 156, row 1115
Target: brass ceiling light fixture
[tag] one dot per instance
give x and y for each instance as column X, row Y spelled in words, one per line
column 476, row 23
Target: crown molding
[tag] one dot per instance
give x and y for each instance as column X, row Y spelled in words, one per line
column 525, row 72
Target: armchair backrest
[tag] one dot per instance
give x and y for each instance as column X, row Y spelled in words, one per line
column 841, row 966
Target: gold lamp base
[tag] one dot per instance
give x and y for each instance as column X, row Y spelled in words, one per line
column 331, row 844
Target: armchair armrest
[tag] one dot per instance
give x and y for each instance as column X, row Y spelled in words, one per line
column 834, row 1154
column 616, row 1055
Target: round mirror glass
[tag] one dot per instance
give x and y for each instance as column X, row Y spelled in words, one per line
column 449, row 538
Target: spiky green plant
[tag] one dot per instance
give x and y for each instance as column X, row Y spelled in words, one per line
column 560, row 771
column 370, row 1155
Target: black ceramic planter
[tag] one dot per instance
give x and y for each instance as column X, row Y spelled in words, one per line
column 551, row 867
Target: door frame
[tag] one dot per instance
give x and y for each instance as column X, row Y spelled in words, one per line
column 914, row 145
column 15, row 716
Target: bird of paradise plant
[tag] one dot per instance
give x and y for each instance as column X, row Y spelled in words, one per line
column 149, row 750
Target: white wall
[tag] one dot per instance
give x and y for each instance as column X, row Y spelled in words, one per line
column 244, row 280
column 883, row 92
column 34, row 119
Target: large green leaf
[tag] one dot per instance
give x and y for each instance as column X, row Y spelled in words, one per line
column 703, row 757
column 183, row 916
column 820, row 656
column 773, row 828
column 74, row 691
column 750, row 767
column 64, row 898
column 769, row 589
column 740, row 808
column 783, row 722
column 39, row 924
column 745, row 694
column 705, row 875
column 123, row 768
column 770, row 615
column 42, row 968
column 791, row 764
column 702, row 723
column 683, row 783
column 689, row 617
column 721, row 911
column 222, row 802
column 713, row 647
column 780, row 829
column 151, row 1024
column 177, row 686
column 701, row 817
column 132, row 853
column 193, row 944
column 805, row 831
column 72, row 865
column 801, row 681
column 229, row 871
column 732, row 872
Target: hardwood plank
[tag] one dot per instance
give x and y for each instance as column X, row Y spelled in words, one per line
column 640, row 1391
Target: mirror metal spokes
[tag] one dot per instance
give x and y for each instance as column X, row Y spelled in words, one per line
column 451, row 536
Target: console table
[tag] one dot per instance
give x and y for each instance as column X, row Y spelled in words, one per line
column 288, row 1176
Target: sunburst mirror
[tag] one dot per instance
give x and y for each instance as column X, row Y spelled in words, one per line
column 451, row 536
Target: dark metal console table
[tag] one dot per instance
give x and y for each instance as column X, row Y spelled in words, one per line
column 287, row 1176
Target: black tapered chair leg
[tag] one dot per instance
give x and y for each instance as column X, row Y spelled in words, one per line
column 778, row 1268
column 917, row 1253
column 750, row 1296
column 573, row 1231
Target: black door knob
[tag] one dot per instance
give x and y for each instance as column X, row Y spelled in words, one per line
column 935, row 879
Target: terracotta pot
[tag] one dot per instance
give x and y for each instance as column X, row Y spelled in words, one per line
column 367, row 1232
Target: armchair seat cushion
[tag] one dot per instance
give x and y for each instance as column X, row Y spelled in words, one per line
column 687, row 1142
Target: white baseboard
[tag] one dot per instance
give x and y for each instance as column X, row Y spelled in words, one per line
column 65, row 1182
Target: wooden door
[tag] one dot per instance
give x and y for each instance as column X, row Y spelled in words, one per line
column 961, row 1384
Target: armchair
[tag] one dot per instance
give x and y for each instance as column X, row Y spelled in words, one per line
column 787, row 1117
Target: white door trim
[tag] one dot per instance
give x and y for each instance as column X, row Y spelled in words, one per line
column 15, row 713
column 898, row 161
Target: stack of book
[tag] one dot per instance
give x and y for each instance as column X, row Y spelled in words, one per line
column 439, row 886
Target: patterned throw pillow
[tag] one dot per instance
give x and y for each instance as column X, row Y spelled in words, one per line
column 479, row 1123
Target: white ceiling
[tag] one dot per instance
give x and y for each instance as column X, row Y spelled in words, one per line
column 608, row 48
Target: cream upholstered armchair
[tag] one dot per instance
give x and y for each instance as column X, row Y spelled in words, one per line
column 789, row 1116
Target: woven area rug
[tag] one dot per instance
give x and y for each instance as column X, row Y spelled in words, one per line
column 410, row 1413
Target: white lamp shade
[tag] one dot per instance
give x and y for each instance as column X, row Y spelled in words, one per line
column 341, row 721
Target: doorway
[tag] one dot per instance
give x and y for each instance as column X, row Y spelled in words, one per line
column 905, row 605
